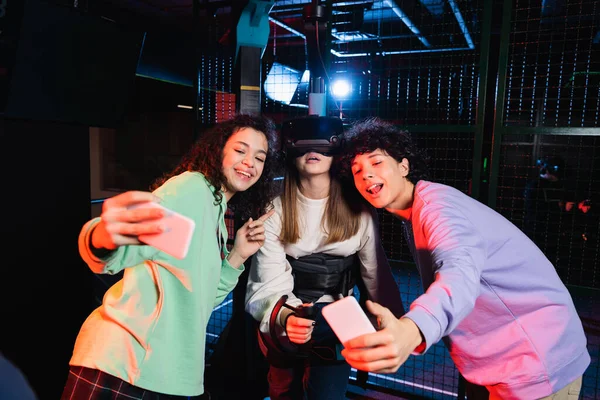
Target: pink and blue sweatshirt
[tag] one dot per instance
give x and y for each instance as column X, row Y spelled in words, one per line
column 506, row 317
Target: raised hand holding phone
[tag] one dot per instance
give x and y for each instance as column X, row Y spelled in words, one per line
column 121, row 223
column 347, row 319
column 387, row 349
column 176, row 235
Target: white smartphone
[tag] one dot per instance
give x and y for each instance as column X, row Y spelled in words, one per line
column 347, row 319
column 176, row 238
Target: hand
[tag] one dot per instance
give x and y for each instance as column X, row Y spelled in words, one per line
column 120, row 224
column 299, row 330
column 248, row 239
column 386, row 350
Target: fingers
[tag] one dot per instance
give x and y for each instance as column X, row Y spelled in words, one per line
column 299, row 339
column 256, row 230
column 383, row 314
column 299, row 336
column 300, row 322
column 380, row 338
column 136, row 215
column 256, row 235
column 251, row 236
column 379, row 366
column 385, row 358
column 299, row 330
column 370, row 354
column 130, row 198
column 253, row 224
column 266, row 216
column 126, row 216
column 374, row 307
column 134, row 229
column 132, row 207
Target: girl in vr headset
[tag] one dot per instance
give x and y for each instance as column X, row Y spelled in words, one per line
column 319, row 244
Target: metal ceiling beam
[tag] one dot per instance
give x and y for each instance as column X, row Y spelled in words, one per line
column 461, row 23
column 407, row 21
column 395, row 52
column 287, row 27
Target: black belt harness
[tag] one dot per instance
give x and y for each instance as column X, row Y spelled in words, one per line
column 318, row 274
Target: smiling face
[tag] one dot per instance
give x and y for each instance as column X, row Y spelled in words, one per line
column 382, row 181
column 313, row 164
column 244, row 158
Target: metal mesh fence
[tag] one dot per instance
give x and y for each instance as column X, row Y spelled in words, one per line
column 550, row 115
column 553, row 80
column 553, row 70
column 556, row 217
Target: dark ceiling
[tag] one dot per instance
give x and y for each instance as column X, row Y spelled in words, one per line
column 371, row 25
column 363, row 33
column 360, row 27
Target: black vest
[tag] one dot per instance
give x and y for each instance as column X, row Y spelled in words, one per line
column 319, row 274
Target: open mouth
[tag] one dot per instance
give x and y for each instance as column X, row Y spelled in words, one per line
column 312, row 157
column 375, row 188
column 243, row 173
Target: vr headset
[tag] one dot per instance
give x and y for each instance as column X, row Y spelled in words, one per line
column 313, row 133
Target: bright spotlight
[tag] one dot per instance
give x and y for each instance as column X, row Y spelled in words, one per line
column 340, row 89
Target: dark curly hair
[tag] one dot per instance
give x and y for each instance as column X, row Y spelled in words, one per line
column 370, row 134
column 206, row 156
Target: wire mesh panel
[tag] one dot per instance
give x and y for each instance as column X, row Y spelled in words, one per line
column 553, row 79
column 216, row 324
column 404, row 90
column 216, row 101
column 549, row 155
column 215, row 71
column 410, row 62
column 568, row 235
column 553, row 75
column 560, row 216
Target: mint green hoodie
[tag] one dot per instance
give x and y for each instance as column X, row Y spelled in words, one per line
column 151, row 327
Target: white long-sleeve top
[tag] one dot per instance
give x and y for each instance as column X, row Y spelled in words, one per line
column 271, row 274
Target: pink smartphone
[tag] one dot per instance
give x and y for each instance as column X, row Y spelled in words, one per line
column 347, row 319
column 176, row 238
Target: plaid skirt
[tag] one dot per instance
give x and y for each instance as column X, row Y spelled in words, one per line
column 92, row 384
